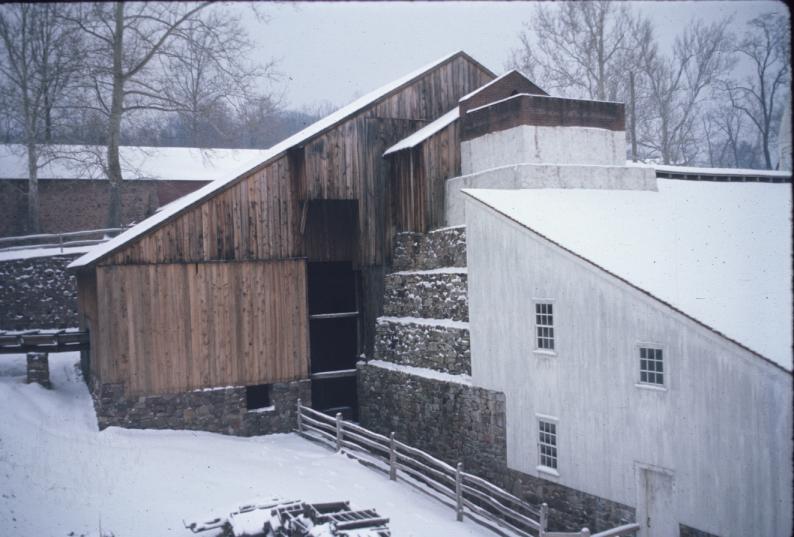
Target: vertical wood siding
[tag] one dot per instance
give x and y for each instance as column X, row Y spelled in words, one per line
column 171, row 321
column 170, row 328
column 258, row 217
column 418, row 178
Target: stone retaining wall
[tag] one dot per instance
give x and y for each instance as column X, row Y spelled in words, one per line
column 434, row 347
column 457, row 422
column 686, row 531
column 569, row 509
column 219, row 410
column 440, row 295
column 37, row 293
column 422, row 251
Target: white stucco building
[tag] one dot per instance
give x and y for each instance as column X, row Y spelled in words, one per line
column 640, row 329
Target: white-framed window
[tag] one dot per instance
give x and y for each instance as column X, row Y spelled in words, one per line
column 652, row 368
column 544, row 326
column 547, row 443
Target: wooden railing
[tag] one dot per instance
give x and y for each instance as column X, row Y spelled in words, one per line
column 24, row 341
column 67, row 239
column 467, row 494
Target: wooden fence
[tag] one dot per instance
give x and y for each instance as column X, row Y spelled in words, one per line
column 469, row 495
column 68, row 239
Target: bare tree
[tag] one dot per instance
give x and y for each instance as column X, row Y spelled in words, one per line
column 578, row 49
column 39, row 56
column 161, row 57
column 677, row 85
column 208, row 71
column 767, row 45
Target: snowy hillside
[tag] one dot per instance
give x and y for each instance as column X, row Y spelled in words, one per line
column 60, row 476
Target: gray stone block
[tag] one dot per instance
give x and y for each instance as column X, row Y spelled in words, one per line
column 220, row 410
column 38, row 369
column 442, row 295
column 421, row 251
column 38, row 293
column 434, row 347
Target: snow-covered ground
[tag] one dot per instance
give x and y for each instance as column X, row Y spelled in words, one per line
column 60, row 476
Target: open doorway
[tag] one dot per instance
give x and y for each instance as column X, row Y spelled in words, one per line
column 333, row 334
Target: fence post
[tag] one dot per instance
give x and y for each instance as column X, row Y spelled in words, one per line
column 60, row 240
column 339, row 431
column 300, row 420
column 459, row 491
column 544, row 519
column 585, row 532
column 392, row 458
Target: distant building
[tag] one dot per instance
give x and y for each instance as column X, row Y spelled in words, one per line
column 74, row 197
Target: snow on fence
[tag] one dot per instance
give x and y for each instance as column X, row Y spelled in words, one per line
column 468, row 494
column 59, row 240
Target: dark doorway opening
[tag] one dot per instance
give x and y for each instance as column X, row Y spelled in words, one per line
column 333, row 334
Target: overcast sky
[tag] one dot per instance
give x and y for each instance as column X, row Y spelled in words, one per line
column 335, row 51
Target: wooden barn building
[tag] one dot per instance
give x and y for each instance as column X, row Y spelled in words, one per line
column 223, row 308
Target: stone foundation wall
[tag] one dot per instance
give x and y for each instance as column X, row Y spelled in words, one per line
column 423, row 345
column 423, row 251
column 458, row 422
column 218, row 410
column 569, row 509
column 37, row 293
column 440, row 295
column 455, row 422
column 686, row 531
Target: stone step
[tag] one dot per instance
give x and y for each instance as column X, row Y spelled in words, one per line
column 432, row 294
column 444, row 247
column 438, row 344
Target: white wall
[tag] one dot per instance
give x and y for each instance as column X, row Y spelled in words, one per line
column 544, row 176
column 543, row 145
column 723, row 425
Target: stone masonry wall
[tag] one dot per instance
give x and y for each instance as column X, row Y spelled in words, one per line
column 219, row 410
column 454, row 421
column 443, row 348
column 37, row 293
column 686, row 531
column 419, row 251
column 569, row 509
column 462, row 423
column 436, row 295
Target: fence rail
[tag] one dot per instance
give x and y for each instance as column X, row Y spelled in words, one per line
column 469, row 495
column 67, row 239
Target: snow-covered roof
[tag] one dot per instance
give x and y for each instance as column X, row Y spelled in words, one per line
column 229, row 176
column 690, row 170
column 718, row 252
column 137, row 163
column 425, row 132
column 429, row 130
column 491, row 83
column 724, row 172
